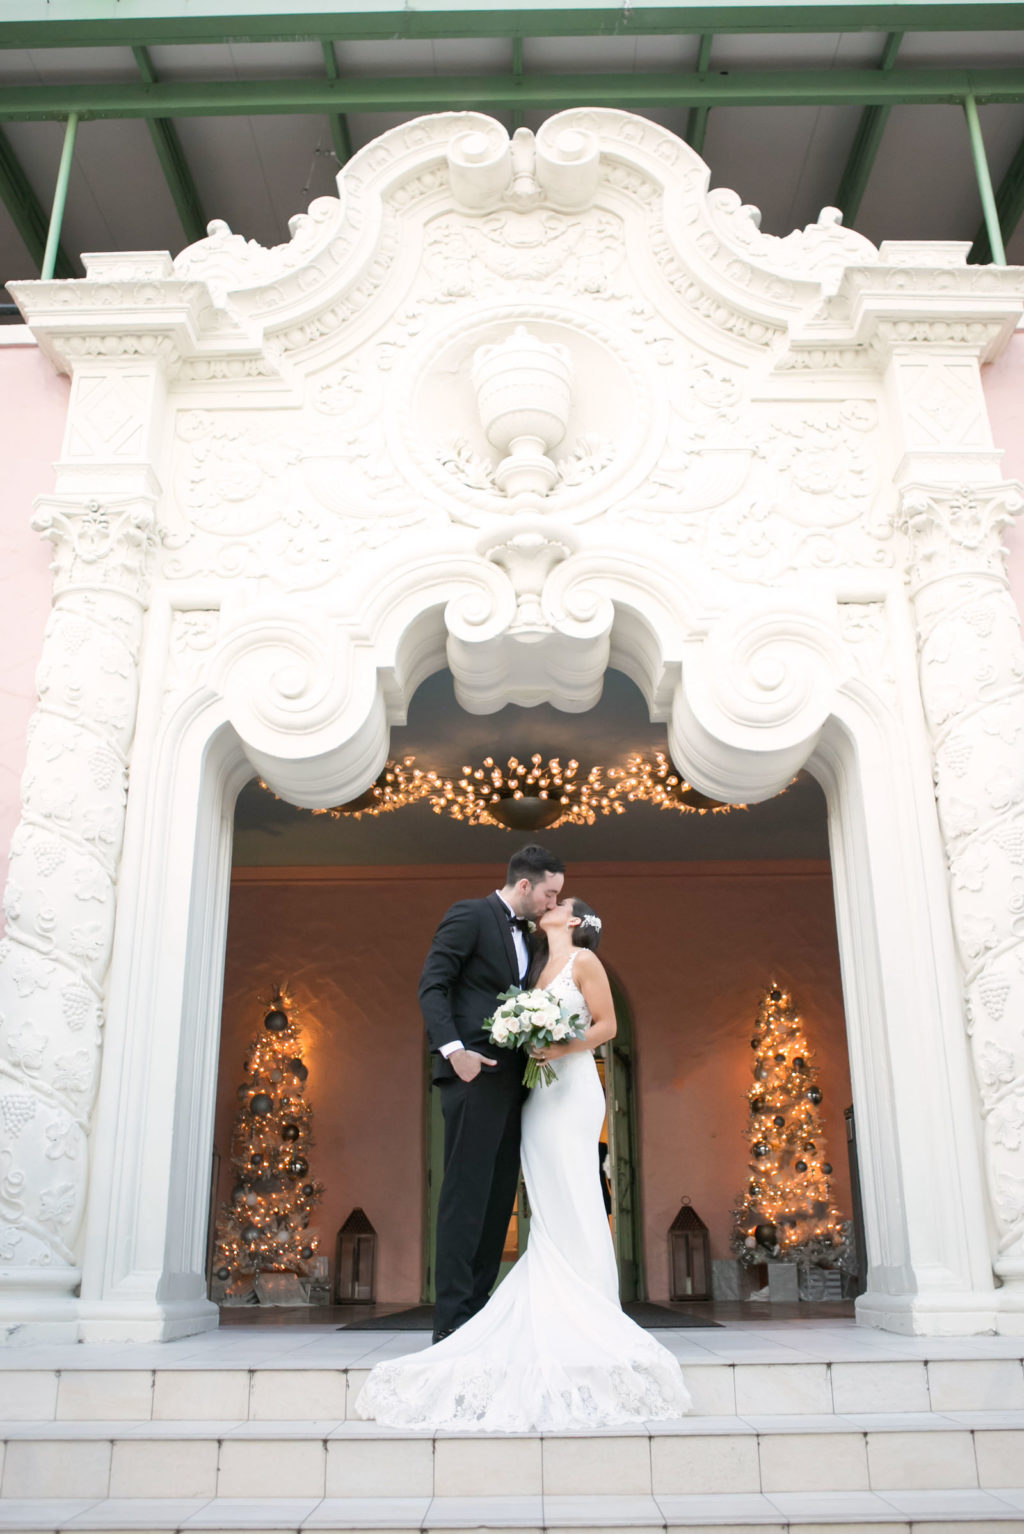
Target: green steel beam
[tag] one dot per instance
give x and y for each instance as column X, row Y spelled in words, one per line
column 867, row 142
column 981, row 170
column 783, row 87
column 340, row 134
column 60, row 198
column 147, row 23
column 697, row 122
column 517, row 75
column 27, row 212
column 1009, row 208
column 172, row 161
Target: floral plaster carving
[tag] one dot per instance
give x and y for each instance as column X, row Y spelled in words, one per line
column 972, row 682
column 60, row 901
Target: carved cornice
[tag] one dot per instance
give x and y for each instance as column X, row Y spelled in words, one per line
column 231, row 298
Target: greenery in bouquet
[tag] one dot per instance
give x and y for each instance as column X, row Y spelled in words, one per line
column 529, row 1020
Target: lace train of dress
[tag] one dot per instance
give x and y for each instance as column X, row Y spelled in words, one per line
column 552, row 1347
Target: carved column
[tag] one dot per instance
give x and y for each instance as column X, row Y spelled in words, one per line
column 971, row 660
column 61, row 895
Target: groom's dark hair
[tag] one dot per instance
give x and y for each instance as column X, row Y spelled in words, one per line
column 533, row 862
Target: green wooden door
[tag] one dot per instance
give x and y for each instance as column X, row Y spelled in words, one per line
column 621, row 1129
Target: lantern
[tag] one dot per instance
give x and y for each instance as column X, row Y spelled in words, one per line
column 355, row 1261
column 689, row 1256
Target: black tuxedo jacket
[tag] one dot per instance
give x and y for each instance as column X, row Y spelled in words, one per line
column 471, row 961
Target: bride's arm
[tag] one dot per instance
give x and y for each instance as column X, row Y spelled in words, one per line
column 589, row 974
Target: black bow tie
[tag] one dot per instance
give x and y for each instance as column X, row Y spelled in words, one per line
column 518, row 921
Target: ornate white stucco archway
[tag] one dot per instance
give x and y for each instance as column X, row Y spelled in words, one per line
column 526, row 409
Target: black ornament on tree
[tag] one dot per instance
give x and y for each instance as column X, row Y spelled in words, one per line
column 799, row 1064
column 765, row 1235
column 256, row 1158
column 809, row 1145
column 826, row 1167
column 309, row 1188
column 755, row 1043
column 780, row 1059
column 290, row 1132
column 223, row 1273
column 251, row 1233
column 814, row 1095
column 756, row 1104
column 775, row 995
column 276, row 1021
column 260, row 1104
column 298, row 1069
column 298, row 1166
column 760, row 1149
column 307, row 1252
column 779, row 1121
column 801, row 1166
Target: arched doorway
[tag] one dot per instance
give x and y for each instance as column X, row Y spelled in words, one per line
column 752, row 516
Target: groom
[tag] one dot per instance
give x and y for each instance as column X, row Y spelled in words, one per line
column 479, row 950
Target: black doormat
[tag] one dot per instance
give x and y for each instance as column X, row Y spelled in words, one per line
column 420, row 1318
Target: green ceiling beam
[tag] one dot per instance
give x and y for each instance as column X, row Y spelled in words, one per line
column 782, row 87
column 60, row 199
column 697, row 123
column 517, row 75
column 340, row 134
column 172, row 161
column 985, row 191
column 146, row 23
column 867, row 142
column 27, row 212
column 1009, row 207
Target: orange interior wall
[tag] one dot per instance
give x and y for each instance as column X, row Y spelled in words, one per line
column 692, row 946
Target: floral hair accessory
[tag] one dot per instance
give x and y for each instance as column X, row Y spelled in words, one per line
column 591, row 921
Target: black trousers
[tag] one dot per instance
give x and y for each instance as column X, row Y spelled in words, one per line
column 481, row 1171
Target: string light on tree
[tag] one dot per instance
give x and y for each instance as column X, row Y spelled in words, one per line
column 786, row 1211
column 264, row 1226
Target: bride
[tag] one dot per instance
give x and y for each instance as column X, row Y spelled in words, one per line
column 552, row 1347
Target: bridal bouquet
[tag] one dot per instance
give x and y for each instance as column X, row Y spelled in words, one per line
column 529, row 1020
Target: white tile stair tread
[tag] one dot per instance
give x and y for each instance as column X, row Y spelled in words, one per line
column 408, row 1514
column 334, row 1427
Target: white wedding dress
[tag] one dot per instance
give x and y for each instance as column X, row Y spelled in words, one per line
column 552, row 1347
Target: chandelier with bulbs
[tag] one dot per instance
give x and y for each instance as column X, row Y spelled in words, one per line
column 533, row 794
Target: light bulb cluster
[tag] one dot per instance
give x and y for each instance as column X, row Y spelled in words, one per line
column 483, row 794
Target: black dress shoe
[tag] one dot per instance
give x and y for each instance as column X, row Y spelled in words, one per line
column 441, row 1332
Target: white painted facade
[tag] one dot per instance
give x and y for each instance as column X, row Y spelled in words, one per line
column 528, row 410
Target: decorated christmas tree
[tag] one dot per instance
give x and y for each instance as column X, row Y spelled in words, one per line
column 786, row 1212
column 263, row 1228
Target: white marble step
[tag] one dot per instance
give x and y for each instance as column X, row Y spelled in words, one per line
column 79, row 1389
column 756, row 1455
column 850, row 1512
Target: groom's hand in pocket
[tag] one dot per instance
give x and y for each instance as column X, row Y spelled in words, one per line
column 467, row 1064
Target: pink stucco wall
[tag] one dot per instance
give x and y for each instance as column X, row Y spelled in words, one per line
column 692, row 946
column 31, row 429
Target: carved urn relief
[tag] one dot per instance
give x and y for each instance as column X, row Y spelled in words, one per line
column 523, row 390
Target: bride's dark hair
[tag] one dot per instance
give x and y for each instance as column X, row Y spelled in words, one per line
column 583, row 936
